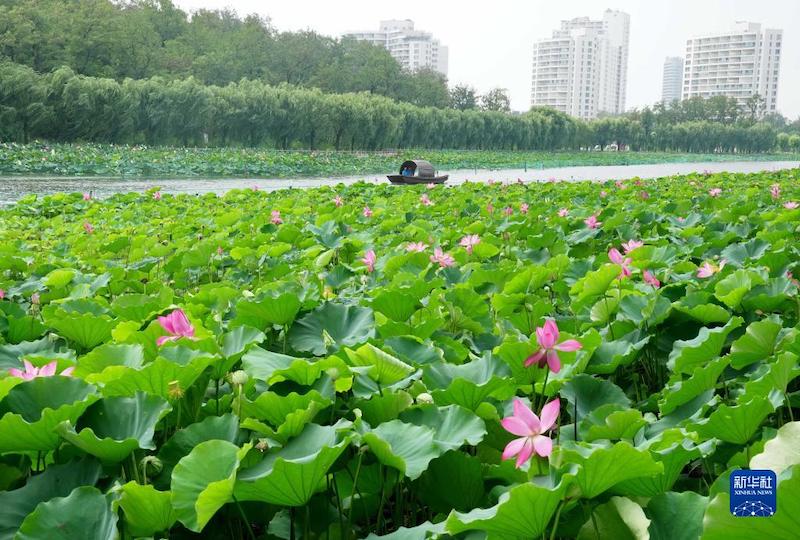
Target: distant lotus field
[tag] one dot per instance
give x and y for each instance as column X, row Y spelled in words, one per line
column 489, row 361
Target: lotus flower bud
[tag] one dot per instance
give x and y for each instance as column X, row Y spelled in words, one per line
column 262, row 445
column 152, row 465
column 238, row 377
column 424, row 398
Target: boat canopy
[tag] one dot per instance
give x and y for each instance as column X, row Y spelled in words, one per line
column 419, row 167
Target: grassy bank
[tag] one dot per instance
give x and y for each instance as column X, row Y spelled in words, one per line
column 91, row 159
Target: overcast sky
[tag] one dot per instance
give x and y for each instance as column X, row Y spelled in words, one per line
column 490, row 41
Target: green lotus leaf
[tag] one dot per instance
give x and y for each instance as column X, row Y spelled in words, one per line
column 736, row 424
column 453, row 481
column 86, row 330
column 110, row 354
column 521, row 513
column 11, row 355
column 732, row 289
column 593, row 285
column 139, row 307
column 756, row 344
column 674, row 449
column 273, row 367
column 599, row 467
column 621, row 352
column 528, row 280
column 688, row 355
column 147, row 510
column 384, row 368
column 224, row 427
column 720, row 524
column 406, row 447
column 619, row 518
column 274, row 407
column 771, row 379
column 239, row 340
column 586, row 393
column 738, row 254
column 54, row 481
column 780, row 452
column 421, row 532
column 113, row 427
column 667, row 509
column 612, row 423
column 453, row 426
column 24, row 328
column 696, row 306
column 768, row 297
column 202, row 482
column 84, row 513
column 31, row 411
column 468, row 385
column 397, row 306
column 681, row 391
column 381, row 408
column 332, row 326
column 414, row 350
column 155, row 378
column 290, row 476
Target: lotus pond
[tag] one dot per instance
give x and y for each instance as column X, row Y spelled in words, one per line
column 500, row 361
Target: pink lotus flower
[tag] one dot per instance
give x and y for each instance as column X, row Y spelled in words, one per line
column 592, row 222
column 508, row 210
column 616, row 257
column 630, row 245
column 490, row 181
column 276, row 217
column 220, row 251
column 442, row 259
column 367, row 212
column 650, row 279
column 490, row 208
column 620, row 184
column 47, row 370
column 520, row 181
column 425, row 200
column 791, row 205
column 338, row 201
column 523, row 208
column 157, row 196
column 369, row 259
column 547, row 338
column 255, row 187
column 681, row 219
column 603, row 194
column 430, row 185
column 563, row 212
column 469, row 242
column 87, row 196
column 708, row 269
column 416, row 247
column 775, row 191
column 2, row 294
column 35, row 299
column 530, row 429
column 715, row 192
column 177, row 325
column 88, row 227
column 644, row 195
column 794, row 281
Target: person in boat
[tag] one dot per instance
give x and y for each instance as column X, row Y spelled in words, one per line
column 407, row 171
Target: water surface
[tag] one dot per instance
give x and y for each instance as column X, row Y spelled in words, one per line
column 14, row 187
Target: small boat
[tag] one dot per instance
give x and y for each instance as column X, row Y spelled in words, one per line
column 417, row 172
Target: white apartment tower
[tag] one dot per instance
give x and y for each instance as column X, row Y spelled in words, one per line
column 413, row 49
column 672, row 82
column 736, row 64
column 582, row 69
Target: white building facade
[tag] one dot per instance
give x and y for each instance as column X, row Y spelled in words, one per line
column 737, row 64
column 672, row 81
column 413, row 49
column 582, row 69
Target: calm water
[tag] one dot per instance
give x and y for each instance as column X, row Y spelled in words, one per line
column 14, row 187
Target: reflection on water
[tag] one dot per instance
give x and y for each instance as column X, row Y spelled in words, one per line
column 14, row 187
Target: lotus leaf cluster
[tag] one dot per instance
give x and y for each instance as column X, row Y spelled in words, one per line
column 499, row 361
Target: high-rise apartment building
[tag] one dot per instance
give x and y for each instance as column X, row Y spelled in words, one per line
column 413, row 49
column 582, row 69
column 672, row 82
column 738, row 64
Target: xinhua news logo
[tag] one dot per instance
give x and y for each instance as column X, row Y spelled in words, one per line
column 754, row 493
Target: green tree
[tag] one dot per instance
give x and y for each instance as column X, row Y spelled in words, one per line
column 496, row 100
column 463, row 97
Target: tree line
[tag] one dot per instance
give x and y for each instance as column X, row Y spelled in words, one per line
column 64, row 106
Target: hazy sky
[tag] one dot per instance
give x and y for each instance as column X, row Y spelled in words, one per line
column 490, row 41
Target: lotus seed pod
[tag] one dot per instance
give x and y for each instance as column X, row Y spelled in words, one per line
column 238, row 377
column 424, row 398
